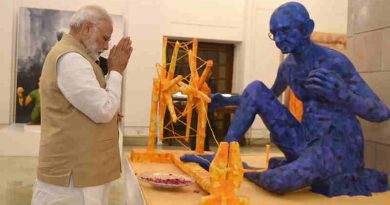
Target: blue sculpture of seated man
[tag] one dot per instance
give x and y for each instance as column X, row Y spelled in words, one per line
column 325, row 150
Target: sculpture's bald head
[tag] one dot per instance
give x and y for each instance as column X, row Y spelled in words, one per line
column 291, row 11
column 290, row 24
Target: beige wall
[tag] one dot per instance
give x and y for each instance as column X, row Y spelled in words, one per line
column 369, row 49
column 143, row 20
column 241, row 22
column 6, row 58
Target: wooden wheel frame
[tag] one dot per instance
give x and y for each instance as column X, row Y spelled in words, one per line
column 195, row 87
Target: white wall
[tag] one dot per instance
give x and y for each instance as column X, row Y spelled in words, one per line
column 204, row 19
column 242, row 22
column 6, row 58
column 143, row 25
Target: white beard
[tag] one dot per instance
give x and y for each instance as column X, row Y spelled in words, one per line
column 91, row 47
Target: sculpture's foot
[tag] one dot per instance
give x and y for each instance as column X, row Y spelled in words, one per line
column 353, row 184
column 276, row 162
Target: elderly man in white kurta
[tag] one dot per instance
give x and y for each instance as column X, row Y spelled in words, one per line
column 79, row 151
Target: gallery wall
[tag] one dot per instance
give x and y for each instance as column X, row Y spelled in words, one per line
column 243, row 23
column 6, row 59
column 369, row 50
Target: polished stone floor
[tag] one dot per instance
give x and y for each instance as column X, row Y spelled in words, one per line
column 17, row 176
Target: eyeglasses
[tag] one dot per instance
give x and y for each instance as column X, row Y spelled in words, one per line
column 284, row 32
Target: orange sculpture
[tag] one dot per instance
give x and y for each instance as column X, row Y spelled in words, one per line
column 226, row 175
column 222, row 181
column 295, row 105
column 197, row 93
column 193, row 86
column 226, row 171
column 164, row 85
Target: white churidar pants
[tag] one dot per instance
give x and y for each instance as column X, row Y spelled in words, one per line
column 49, row 194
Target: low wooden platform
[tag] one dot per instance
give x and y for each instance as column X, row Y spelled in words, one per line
column 190, row 195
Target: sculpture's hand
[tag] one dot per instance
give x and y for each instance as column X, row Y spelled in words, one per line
column 216, row 101
column 203, row 160
column 327, row 84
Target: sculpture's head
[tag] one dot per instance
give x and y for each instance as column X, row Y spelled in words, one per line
column 290, row 27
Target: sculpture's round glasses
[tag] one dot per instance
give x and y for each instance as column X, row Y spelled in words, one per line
column 283, row 32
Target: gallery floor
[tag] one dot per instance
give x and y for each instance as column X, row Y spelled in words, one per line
column 17, row 176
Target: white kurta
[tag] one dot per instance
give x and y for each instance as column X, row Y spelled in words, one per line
column 77, row 81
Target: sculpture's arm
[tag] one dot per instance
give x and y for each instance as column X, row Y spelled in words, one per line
column 364, row 102
column 280, row 83
column 340, row 83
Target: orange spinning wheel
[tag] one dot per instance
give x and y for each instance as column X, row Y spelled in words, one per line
column 197, row 93
column 164, row 85
column 193, row 86
column 226, row 171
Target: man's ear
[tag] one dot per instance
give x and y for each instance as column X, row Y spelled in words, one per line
column 86, row 27
column 309, row 27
